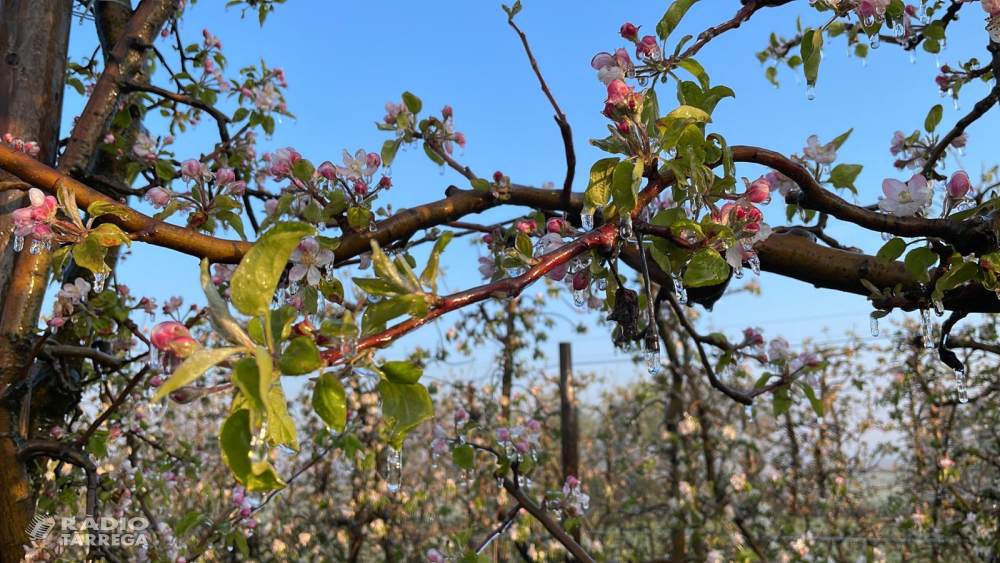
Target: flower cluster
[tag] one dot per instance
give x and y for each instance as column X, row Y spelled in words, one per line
column 29, row 148
column 520, row 439
column 575, row 501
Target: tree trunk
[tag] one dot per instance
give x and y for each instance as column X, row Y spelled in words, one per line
column 34, row 39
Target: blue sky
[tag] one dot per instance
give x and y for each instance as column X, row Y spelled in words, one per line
column 344, row 60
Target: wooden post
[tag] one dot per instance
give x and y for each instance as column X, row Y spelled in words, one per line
column 567, row 415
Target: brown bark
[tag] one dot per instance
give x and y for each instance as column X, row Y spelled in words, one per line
column 34, row 39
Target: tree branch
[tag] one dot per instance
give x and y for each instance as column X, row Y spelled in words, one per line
column 545, row 520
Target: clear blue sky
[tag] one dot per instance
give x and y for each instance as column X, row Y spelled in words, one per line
column 344, row 60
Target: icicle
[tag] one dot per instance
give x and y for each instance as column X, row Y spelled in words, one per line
column 393, row 469
column 963, row 392
column 47, row 244
column 874, row 41
column 913, row 57
column 926, row 328
column 36, row 246
column 738, row 272
column 961, row 151
column 750, row 411
column 754, row 262
column 886, row 237
column 578, row 298
column 874, row 324
column 153, row 358
column 957, row 105
column 99, row 279
column 329, row 270
column 602, row 283
column 293, row 288
column 937, row 60
column 899, row 30
column 682, row 294
column 653, row 361
column 811, row 92
column 587, row 220
column 18, row 244
column 625, row 227
column 938, row 307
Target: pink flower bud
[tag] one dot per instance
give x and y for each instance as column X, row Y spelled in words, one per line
column 156, row 381
column 109, row 138
column 623, row 127
column 447, row 112
column 754, row 215
column 224, row 176
column 270, row 206
column 238, row 188
column 523, row 226
column 572, row 482
column 959, row 185
column 374, row 160
column 629, row 31
column 238, row 493
column 556, row 225
column 647, row 47
column 385, row 182
column 534, row 425
column 581, row 280
column 190, row 168
column 618, row 92
column 498, row 176
column 609, row 111
column 488, row 238
column 361, row 188
column 158, row 197
column 168, row 140
column 503, row 434
column 57, row 432
column 522, row 447
column 461, row 415
column 759, row 191
column 327, row 170
column 8, row 138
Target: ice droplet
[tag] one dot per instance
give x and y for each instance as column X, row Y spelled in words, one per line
column 602, row 283
column 587, row 220
column 886, row 237
column 750, row 411
column 957, row 105
column 963, row 392
column 754, row 262
column 36, row 246
column 938, row 307
column 99, row 279
column 682, row 295
column 899, row 30
column 874, row 324
column 810, row 92
column 578, row 299
column 738, row 272
column 869, row 20
column 18, row 244
column 913, row 58
column 393, row 469
column 819, row 420
column 330, row 271
column 625, row 227
column 874, row 41
column 926, row 328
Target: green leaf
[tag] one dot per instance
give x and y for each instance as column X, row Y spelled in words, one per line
column 429, row 275
column 812, row 45
column 255, row 279
column 89, row 254
column 627, row 177
column 164, row 170
column 234, row 440
column 194, row 366
column 433, row 155
column 280, row 426
column 378, row 314
column 780, row 400
column 672, row 17
column 691, row 114
column 402, row 372
column 359, row 217
column 464, row 457
column 99, row 208
column 405, row 407
column 109, row 234
column 389, row 149
column 303, row 170
column 330, row 402
column 844, row 175
column 599, row 188
column 300, row 357
column 891, row 251
column 918, row 260
column 246, row 378
column 218, row 311
column 816, row 402
column 412, row 102
column 933, row 118
column 956, row 276
column 839, row 141
column 706, row 268
column 387, row 272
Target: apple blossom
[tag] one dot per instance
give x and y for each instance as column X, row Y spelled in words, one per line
column 158, row 197
column 550, row 243
column 191, row 169
column 896, row 146
column 393, row 110
column 503, row 434
column 361, row 165
column 958, row 185
column 780, row 182
column 960, row 141
column 905, row 199
column 109, row 138
column 447, row 112
column 224, row 176
column 612, row 67
column 327, row 170
column 821, row 154
column 557, row 225
column 308, row 258
column 618, row 92
column 435, row 556
column 75, row 292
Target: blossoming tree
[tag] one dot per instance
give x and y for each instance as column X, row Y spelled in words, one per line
column 666, row 204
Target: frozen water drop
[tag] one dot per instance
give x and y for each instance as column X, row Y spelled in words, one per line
column 578, row 298
column 587, row 220
column 938, row 307
column 36, row 246
column 874, row 41
column 682, row 295
column 99, row 279
column 899, row 30
column 653, row 362
column 926, row 328
column 913, row 58
column 956, row 104
column 750, row 411
column 393, row 469
column 18, row 244
column 625, row 227
column 819, row 420
column 329, row 270
column 874, row 325
column 811, row 92
column 738, row 272
column 602, row 283
column 754, row 262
